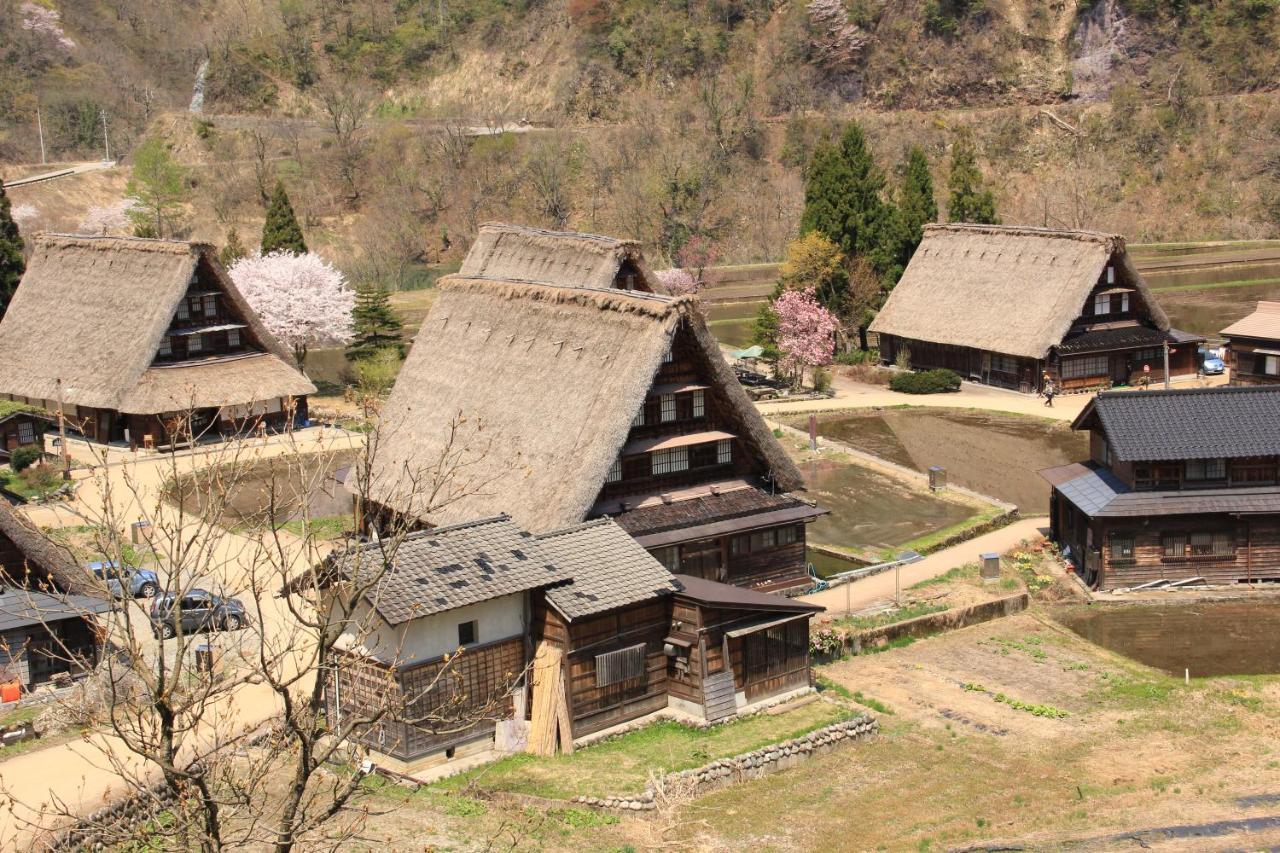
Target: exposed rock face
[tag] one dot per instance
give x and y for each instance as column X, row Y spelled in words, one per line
column 1099, row 40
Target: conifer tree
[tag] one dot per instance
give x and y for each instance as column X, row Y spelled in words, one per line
column 842, row 196
column 375, row 324
column 916, row 203
column 281, row 231
column 12, row 264
column 233, row 250
column 969, row 200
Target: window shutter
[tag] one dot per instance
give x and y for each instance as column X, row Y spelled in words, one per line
column 622, row 665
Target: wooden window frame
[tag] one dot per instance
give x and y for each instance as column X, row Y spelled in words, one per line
column 667, row 408
column 699, row 398
column 672, row 461
column 469, row 628
column 615, row 472
column 1121, row 548
column 1199, row 470
column 620, row 665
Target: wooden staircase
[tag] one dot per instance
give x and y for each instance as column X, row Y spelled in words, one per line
column 718, row 695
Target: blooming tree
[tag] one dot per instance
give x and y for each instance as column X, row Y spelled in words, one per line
column 101, row 220
column 678, row 282
column 45, row 23
column 302, row 299
column 806, row 331
column 25, row 215
column 697, row 254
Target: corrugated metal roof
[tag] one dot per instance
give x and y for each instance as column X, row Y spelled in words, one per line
column 1100, row 494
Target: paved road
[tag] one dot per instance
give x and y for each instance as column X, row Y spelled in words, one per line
column 860, row 595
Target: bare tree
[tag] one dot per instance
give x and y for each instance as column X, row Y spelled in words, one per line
column 346, row 105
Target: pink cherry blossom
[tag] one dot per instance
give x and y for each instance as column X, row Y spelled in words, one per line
column 302, row 299
column 806, row 330
column 678, row 282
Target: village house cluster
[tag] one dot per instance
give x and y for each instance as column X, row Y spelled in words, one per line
column 596, row 513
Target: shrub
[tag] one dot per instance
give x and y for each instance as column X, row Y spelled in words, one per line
column 821, row 380
column 24, row 457
column 42, row 478
column 858, row 356
column 926, row 382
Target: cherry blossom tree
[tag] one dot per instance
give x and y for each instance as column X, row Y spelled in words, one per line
column 806, row 331
column 302, row 299
column 679, row 282
column 113, row 218
column 45, row 23
column 26, row 215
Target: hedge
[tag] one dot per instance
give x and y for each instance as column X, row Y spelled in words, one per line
column 926, row 382
column 24, row 457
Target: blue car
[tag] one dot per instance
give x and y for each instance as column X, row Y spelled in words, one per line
column 1213, row 366
column 126, row 581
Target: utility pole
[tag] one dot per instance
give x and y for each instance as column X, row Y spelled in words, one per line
column 62, row 434
column 40, row 130
column 1166, row 365
column 106, row 144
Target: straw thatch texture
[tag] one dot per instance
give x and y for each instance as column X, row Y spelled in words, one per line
column 233, row 381
column 1011, row 290
column 518, row 397
column 505, row 252
column 91, row 311
column 43, row 558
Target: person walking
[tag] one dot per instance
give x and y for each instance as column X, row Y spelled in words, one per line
column 1049, row 392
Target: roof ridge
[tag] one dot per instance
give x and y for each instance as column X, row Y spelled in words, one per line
column 1025, row 231
column 1188, row 392
column 547, row 232
column 574, row 528
column 604, row 291
column 154, row 244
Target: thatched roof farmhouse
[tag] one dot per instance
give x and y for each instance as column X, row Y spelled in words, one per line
column 558, row 404
column 1006, row 304
column 127, row 331
column 569, row 259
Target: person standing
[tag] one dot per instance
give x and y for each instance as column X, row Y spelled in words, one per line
column 1049, row 391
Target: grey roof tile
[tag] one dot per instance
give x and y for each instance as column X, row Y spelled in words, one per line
column 1192, row 423
column 609, row 569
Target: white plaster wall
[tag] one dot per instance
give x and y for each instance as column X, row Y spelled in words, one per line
column 432, row 636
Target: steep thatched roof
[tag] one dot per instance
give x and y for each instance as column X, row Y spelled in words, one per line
column 1007, row 289
column 214, row 383
column 567, row 259
column 91, row 311
column 42, row 558
column 517, row 398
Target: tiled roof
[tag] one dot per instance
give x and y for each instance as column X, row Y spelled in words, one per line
column 21, row 608
column 1193, row 423
column 609, row 569
column 1124, row 337
column 702, row 510
column 716, row 594
column 450, row 567
column 1100, row 494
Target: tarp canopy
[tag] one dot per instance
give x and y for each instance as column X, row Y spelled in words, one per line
column 750, row 352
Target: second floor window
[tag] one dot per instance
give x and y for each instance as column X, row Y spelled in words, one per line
column 194, row 343
column 233, row 338
column 670, row 461
column 699, row 404
column 183, row 313
column 724, row 451
column 1206, row 469
column 668, row 407
column 166, row 347
column 615, row 472
column 210, row 306
column 1268, row 364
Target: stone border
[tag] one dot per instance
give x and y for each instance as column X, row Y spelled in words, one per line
column 749, row 765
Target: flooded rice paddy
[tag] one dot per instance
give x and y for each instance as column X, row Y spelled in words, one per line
column 1208, row 638
column 872, row 511
column 283, row 488
column 993, row 454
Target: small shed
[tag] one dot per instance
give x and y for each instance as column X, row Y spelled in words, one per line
column 1253, row 346
column 732, row 647
column 43, row 636
column 21, row 426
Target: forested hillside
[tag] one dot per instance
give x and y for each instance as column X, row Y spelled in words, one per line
column 670, row 120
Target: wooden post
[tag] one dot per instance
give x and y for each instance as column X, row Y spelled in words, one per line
column 1166, row 365
column 813, row 432
column 62, row 434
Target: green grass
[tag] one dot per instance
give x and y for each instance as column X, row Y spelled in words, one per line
column 12, row 482
column 911, row 611
column 930, row 541
column 1218, row 285
column 622, row 764
column 20, row 715
column 969, row 570
column 323, row 528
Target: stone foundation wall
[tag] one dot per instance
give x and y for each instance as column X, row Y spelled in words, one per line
column 937, row 623
column 749, row 765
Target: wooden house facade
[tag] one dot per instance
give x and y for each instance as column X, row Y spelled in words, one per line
column 24, row 428
column 1005, row 305
column 618, row 622
column 158, row 342
column 584, row 397
column 1253, row 347
column 1180, row 485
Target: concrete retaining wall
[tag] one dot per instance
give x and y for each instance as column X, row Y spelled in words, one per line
column 937, row 623
column 749, row 765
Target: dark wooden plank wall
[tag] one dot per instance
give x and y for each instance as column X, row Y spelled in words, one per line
column 1245, row 363
column 686, row 684
column 1257, row 554
column 780, row 567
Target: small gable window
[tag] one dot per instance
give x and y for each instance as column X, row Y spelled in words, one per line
column 724, row 451
column 1102, row 304
column 166, row 347
column 467, row 632
column 210, row 306
column 699, row 404
column 183, row 313
column 670, row 461
column 668, row 407
column 615, row 472
column 195, row 343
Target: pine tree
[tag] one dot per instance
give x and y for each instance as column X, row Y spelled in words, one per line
column 233, row 250
column 916, row 203
column 375, row 324
column 844, row 201
column 12, row 264
column 970, row 200
column 281, row 231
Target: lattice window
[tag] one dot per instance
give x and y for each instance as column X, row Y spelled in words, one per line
column 670, row 461
column 668, row 410
column 622, row 665
column 699, row 404
column 724, row 451
column 615, row 472
column 233, row 337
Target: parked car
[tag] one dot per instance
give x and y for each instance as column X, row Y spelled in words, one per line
column 198, row 610
column 126, row 581
column 1213, row 366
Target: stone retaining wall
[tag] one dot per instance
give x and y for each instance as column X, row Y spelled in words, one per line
column 749, row 765
column 937, row 623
